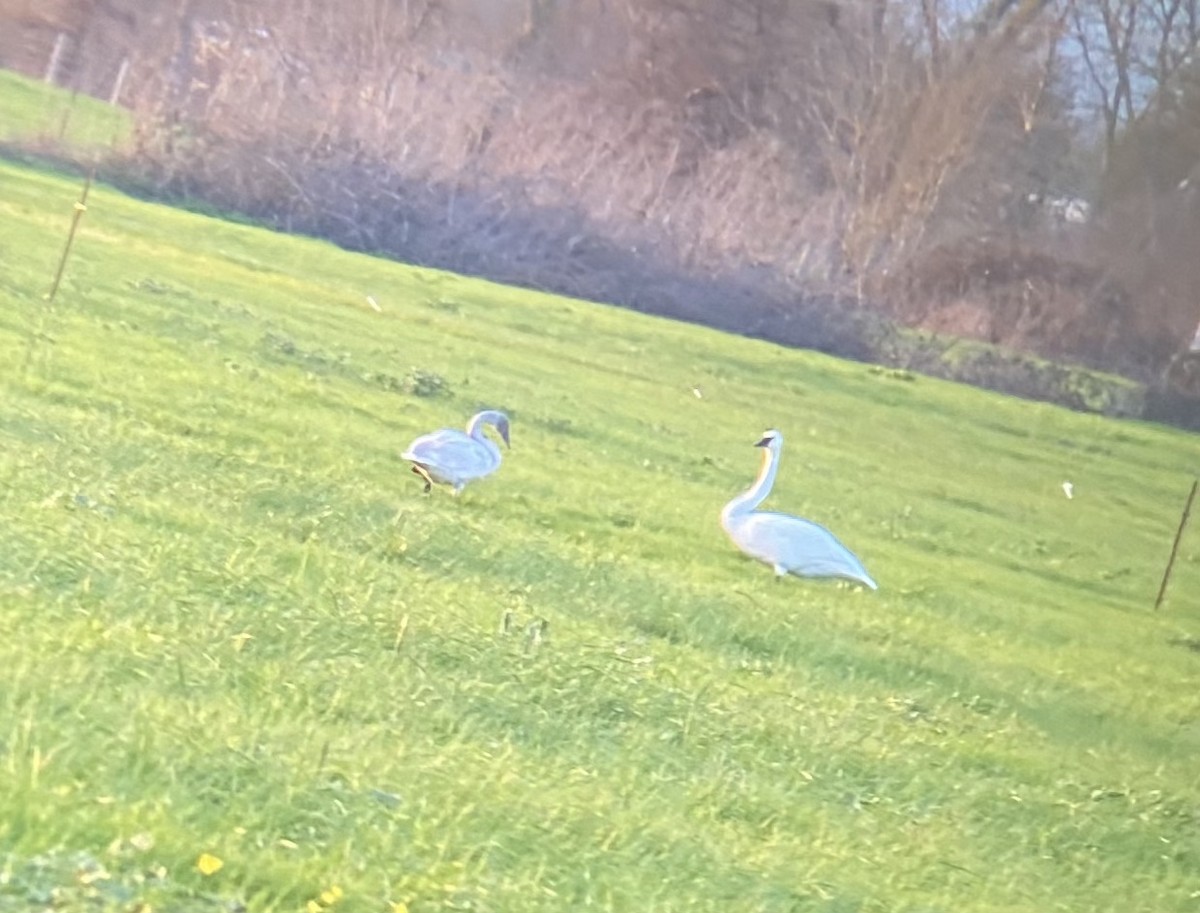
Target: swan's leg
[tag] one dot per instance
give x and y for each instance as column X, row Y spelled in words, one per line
column 424, row 474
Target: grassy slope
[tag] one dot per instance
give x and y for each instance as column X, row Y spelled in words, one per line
column 232, row 624
column 32, row 112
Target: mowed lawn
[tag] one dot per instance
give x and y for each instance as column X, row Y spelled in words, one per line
column 246, row 663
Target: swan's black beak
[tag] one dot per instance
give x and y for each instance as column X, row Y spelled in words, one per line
column 765, row 442
column 502, row 427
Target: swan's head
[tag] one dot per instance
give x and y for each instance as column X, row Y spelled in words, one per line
column 772, row 440
column 502, row 427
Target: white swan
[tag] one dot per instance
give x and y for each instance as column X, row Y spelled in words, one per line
column 789, row 544
column 453, row 458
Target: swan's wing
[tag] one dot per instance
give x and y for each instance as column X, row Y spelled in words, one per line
column 800, row 546
column 452, row 456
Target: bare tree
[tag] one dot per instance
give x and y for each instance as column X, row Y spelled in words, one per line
column 1130, row 52
column 902, row 117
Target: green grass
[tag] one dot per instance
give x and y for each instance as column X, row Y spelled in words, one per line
column 33, row 113
column 230, row 623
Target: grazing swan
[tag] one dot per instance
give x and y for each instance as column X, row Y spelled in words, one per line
column 454, row 458
column 788, row 544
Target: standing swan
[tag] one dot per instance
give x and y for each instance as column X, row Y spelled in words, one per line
column 454, row 458
column 789, row 544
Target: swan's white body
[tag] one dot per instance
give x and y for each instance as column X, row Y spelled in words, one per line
column 791, row 545
column 453, row 458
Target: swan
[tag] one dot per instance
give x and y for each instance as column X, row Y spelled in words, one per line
column 453, row 458
column 789, row 544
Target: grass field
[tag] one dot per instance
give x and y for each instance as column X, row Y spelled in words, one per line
column 244, row 661
column 35, row 114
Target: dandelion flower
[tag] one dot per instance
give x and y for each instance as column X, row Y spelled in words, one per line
column 332, row 895
column 208, row 864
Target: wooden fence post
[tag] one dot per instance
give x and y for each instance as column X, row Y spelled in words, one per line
column 56, row 58
column 1187, row 509
column 115, row 96
column 80, row 209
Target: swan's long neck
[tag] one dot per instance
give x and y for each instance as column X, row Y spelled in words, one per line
column 756, row 493
column 475, row 426
column 475, row 431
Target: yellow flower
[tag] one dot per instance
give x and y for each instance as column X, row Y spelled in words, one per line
column 208, row 864
column 331, row 896
column 399, row 907
column 312, row 907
